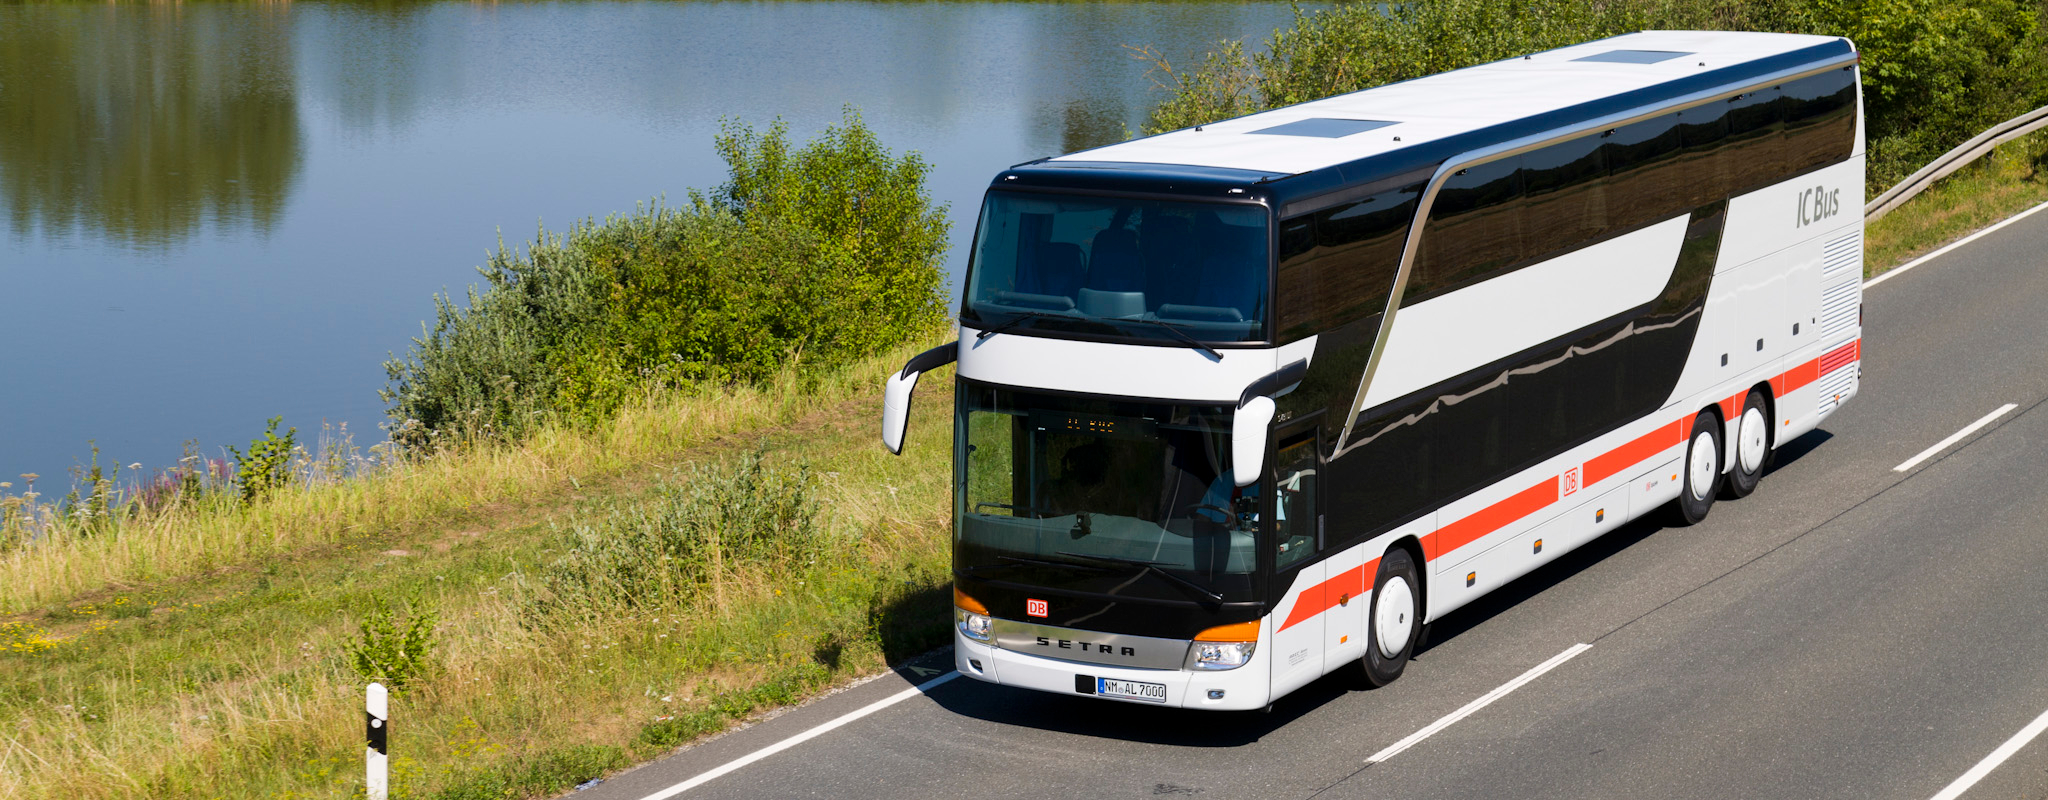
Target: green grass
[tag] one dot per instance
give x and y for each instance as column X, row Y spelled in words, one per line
column 235, row 682
column 2006, row 182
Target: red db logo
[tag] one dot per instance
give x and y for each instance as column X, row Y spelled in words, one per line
column 1571, row 480
column 1035, row 608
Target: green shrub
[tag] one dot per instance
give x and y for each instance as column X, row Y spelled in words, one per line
column 392, row 651
column 706, row 528
column 813, row 256
column 1935, row 72
column 267, row 465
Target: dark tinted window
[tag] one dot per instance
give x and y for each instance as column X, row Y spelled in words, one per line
column 1756, row 142
column 1645, row 175
column 1703, row 169
column 1566, row 186
column 1338, row 264
column 1820, row 119
column 1475, row 228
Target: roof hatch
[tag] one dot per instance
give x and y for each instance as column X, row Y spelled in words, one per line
column 1633, row 56
column 1325, row 127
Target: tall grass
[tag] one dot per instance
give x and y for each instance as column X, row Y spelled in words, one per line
column 813, row 556
column 400, row 494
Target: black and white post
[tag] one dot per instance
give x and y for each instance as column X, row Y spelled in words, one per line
column 377, row 731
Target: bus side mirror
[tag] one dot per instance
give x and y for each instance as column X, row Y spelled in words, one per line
column 896, row 394
column 1255, row 417
column 1248, row 439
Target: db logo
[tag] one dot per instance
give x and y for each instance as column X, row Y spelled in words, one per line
column 1571, row 480
column 1035, row 608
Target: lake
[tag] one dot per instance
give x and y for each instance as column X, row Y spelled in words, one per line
column 218, row 213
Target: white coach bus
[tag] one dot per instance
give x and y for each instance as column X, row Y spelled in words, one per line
column 1241, row 405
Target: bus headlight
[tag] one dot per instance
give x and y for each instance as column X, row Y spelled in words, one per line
column 970, row 616
column 973, row 626
column 1222, row 655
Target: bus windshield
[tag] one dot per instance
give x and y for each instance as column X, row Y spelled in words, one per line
column 1080, row 493
column 1093, row 264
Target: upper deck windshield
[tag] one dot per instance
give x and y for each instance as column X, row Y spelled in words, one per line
column 1052, row 488
column 1098, row 265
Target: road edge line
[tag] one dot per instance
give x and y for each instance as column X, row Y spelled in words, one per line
column 1483, row 701
column 1997, row 757
column 1955, row 437
column 827, row 727
column 1951, row 246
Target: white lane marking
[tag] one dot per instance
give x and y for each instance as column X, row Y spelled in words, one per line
column 800, row 738
column 1996, row 758
column 1951, row 246
column 1954, row 437
column 1484, row 700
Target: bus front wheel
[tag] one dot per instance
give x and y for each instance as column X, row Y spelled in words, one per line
column 1702, row 474
column 1394, row 621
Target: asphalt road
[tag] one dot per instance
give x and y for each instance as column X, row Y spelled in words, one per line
column 1846, row 632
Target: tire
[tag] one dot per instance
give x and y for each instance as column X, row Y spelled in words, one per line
column 1752, row 448
column 1702, row 473
column 1396, row 595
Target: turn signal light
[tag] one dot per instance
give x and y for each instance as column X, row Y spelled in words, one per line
column 1234, row 632
column 966, row 603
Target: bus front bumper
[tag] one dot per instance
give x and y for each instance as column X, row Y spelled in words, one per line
column 1245, row 688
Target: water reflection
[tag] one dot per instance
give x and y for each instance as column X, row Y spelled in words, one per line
column 138, row 126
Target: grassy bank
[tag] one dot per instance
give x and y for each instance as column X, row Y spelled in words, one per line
column 237, row 682
column 2006, row 182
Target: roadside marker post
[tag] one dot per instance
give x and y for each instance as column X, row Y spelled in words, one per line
column 377, row 734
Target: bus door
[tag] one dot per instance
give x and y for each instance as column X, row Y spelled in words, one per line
column 1298, row 571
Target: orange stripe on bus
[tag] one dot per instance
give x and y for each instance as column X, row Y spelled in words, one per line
column 1489, row 519
column 1322, row 596
column 1611, row 463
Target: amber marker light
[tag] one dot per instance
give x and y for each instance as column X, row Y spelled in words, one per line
column 971, row 617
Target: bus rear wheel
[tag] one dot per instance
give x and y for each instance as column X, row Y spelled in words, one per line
column 1752, row 448
column 1702, row 473
column 1394, row 620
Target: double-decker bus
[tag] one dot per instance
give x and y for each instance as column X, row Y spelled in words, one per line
column 1247, row 403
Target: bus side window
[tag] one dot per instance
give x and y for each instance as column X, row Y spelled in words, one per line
column 1820, row 119
column 1474, row 229
column 1294, row 502
column 1567, row 189
column 1703, row 178
column 1756, row 125
column 1296, row 307
column 1643, row 159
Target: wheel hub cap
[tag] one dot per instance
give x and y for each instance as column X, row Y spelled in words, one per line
column 1705, row 463
column 1750, row 448
column 1394, row 616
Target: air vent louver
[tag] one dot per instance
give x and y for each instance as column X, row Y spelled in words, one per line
column 1325, row 127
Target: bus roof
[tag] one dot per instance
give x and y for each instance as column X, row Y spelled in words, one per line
column 1401, row 127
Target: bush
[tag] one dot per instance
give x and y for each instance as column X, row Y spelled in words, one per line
column 391, row 651
column 815, row 255
column 267, row 465
column 1935, row 73
column 706, row 528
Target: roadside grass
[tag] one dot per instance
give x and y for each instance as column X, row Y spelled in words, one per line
column 235, row 683
column 481, row 480
column 2006, row 182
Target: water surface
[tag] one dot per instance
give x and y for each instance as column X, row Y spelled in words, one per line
column 213, row 214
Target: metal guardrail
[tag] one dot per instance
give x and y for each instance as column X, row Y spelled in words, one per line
column 1954, row 160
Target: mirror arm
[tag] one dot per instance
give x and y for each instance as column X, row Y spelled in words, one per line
column 1274, row 381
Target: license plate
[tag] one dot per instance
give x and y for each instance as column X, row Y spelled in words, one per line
column 1134, row 690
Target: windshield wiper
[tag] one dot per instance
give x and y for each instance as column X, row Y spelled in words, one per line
column 1154, row 568
column 1176, row 331
column 1018, row 320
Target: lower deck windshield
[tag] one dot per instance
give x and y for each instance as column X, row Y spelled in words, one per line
column 1082, row 493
